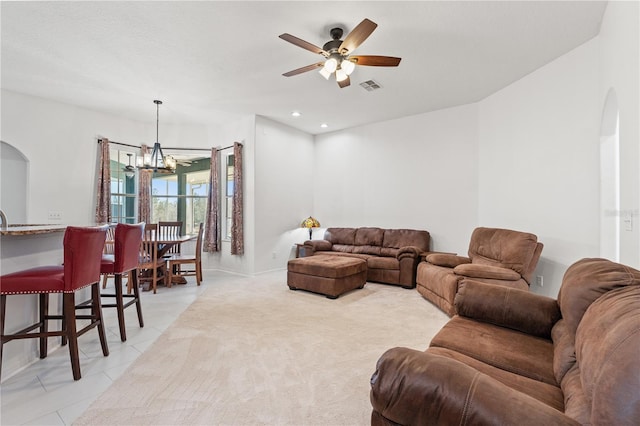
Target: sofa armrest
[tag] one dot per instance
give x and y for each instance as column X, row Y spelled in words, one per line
column 408, row 251
column 411, row 387
column 311, row 246
column 507, row 307
column 474, row 270
column 447, row 260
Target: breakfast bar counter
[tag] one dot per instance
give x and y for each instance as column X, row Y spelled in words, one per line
column 21, row 229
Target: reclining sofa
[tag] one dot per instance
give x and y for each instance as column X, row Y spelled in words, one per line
column 392, row 255
column 511, row 357
column 496, row 256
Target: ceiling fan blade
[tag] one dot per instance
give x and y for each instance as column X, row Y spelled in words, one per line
column 358, row 35
column 375, row 61
column 304, row 44
column 344, row 83
column 304, row 69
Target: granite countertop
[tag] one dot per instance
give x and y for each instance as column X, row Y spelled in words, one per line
column 27, row 229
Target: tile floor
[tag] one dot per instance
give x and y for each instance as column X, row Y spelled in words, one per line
column 44, row 393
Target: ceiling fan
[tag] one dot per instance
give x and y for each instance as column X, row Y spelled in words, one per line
column 338, row 53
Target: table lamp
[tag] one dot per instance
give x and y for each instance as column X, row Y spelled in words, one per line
column 310, row 223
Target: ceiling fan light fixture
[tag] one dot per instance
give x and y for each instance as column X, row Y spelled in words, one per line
column 347, row 66
column 326, row 74
column 330, row 65
column 341, row 75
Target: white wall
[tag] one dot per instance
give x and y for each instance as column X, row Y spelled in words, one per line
column 415, row 172
column 278, row 174
column 60, row 142
column 240, row 130
column 539, row 160
column 284, row 191
column 620, row 71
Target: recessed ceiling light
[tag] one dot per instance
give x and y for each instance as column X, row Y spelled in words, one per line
column 296, row 114
column 324, row 125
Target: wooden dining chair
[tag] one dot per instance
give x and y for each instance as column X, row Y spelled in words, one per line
column 82, row 255
column 170, row 231
column 177, row 261
column 151, row 268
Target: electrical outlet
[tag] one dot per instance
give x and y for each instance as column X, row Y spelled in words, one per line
column 55, row 216
column 539, row 281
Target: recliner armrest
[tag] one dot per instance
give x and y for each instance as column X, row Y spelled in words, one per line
column 445, row 259
column 507, row 307
column 411, row 387
column 474, row 270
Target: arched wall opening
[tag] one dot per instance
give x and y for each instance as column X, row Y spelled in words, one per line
column 14, row 183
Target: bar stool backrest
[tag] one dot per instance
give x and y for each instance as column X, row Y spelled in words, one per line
column 127, row 246
column 82, row 256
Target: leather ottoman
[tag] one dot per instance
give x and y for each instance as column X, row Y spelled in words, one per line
column 328, row 275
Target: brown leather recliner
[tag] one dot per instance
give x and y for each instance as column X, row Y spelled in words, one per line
column 495, row 256
column 532, row 361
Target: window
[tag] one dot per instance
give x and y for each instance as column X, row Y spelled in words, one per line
column 182, row 196
column 228, row 195
column 123, row 187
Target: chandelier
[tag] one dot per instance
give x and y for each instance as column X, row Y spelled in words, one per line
column 157, row 161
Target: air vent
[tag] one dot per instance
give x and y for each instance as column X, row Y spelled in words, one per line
column 370, row 85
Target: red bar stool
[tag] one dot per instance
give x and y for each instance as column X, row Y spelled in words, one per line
column 82, row 254
column 123, row 260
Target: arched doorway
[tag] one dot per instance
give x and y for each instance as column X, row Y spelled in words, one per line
column 610, row 179
column 14, row 176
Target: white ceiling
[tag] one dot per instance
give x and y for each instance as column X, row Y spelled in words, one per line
column 208, row 60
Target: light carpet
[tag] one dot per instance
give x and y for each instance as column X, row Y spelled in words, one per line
column 252, row 352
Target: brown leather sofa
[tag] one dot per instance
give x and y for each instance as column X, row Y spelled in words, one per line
column 392, row 255
column 511, row 357
column 495, row 256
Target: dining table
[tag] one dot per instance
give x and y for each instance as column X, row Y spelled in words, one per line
column 164, row 245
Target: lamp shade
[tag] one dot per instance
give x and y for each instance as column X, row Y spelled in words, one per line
column 310, row 223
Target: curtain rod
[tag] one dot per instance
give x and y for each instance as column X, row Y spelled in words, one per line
column 176, row 149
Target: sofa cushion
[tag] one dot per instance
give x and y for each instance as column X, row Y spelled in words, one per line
column 397, row 238
column 372, row 250
column 346, row 236
column 502, row 247
column 383, row 263
column 588, row 279
column 500, row 347
column 369, row 237
column 344, row 248
column 544, row 392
